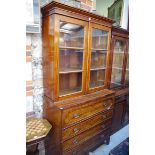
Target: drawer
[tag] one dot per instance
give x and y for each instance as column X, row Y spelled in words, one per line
column 85, row 125
column 75, row 114
column 89, row 145
column 85, row 136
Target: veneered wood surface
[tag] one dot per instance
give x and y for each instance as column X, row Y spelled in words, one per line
column 54, row 113
column 78, row 113
column 86, row 125
column 85, row 136
column 89, row 145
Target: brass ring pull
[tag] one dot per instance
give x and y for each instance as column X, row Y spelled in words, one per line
column 75, row 141
column 105, row 104
column 76, row 115
column 76, row 130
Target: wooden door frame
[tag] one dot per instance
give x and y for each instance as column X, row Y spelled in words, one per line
column 59, row 18
column 113, row 40
column 104, row 28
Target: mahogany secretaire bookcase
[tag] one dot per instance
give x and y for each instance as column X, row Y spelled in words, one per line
column 77, row 73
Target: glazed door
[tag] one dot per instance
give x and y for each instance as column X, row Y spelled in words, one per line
column 118, row 62
column 127, row 70
column 71, row 55
column 99, row 39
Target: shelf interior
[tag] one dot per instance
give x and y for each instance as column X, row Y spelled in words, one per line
column 97, row 78
column 69, row 70
column 70, row 83
column 78, row 49
column 69, row 91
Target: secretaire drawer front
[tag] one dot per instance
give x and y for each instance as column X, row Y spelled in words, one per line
column 73, row 142
column 78, row 113
column 85, row 147
column 89, row 123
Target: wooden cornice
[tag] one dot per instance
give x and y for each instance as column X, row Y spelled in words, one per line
column 55, row 7
column 120, row 32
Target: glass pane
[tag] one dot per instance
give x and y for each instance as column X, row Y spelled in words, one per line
column 71, row 42
column 71, row 35
column 99, row 39
column 127, row 65
column 70, row 60
column 116, row 77
column 117, row 65
column 127, row 72
column 98, row 59
column 117, row 60
column 96, row 78
column 70, row 83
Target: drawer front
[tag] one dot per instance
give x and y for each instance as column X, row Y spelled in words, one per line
column 89, row 145
column 85, row 136
column 85, row 125
column 78, row 113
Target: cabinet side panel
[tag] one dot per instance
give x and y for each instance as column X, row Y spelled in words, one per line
column 53, row 115
column 117, row 116
column 48, row 59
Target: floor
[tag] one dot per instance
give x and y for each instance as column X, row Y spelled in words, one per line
column 115, row 139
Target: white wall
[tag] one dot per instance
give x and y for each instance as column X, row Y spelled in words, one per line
column 124, row 23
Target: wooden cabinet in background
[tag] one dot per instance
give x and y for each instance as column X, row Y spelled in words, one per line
column 76, row 70
column 121, row 110
column 120, row 77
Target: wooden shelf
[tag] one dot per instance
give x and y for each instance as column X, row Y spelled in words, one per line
column 97, row 68
column 69, row 70
column 120, row 49
column 115, row 83
column 118, row 52
column 97, row 49
column 117, row 68
column 74, row 48
column 77, row 37
column 103, row 35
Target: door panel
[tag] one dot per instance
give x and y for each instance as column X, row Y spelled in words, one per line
column 71, row 57
column 99, row 37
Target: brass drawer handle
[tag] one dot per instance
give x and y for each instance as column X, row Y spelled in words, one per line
column 105, row 104
column 76, row 115
column 109, row 108
column 75, row 141
column 76, row 130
